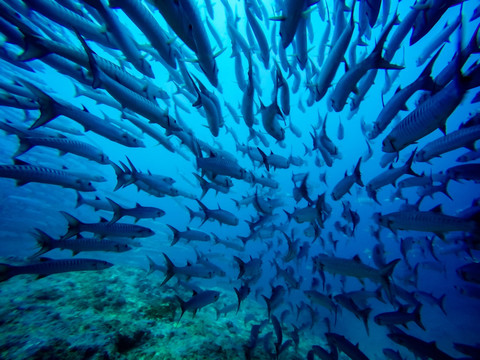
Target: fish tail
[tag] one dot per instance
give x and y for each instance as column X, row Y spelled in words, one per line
column 175, row 234
column 117, row 211
column 44, row 240
column 238, row 298
column 151, row 265
column 269, row 305
column 237, row 204
column 170, row 269
column 121, row 182
column 264, row 159
column 5, row 272
column 48, row 110
column 241, row 266
column 23, row 147
column 80, row 200
column 384, row 64
column 182, row 306
column 385, row 274
column 244, row 239
column 365, row 313
column 191, row 213
column 91, row 61
column 357, row 174
column 203, row 185
column 33, row 49
column 418, row 319
column 73, row 225
column 441, row 303
column 205, row 211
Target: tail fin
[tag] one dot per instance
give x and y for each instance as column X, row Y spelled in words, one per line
column 151, row 265
column 205, row 211
column 238, row 299
column 418, row 319
column 241, row 266
column 121, row 180
column 170, row 270
column 48, row 109
column 175, row 235
column 73, row 225
column 385, row 274
column 91, row 61
column 44, row 240
column 191, row 213
column 264, row 159
column 117, row 211
column 203, row 185
column 23, row 147
column 182, row 306
column 357, row 174
column 5, row 272
column 364, row 314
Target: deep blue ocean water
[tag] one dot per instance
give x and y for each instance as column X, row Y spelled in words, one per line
column 38, row 205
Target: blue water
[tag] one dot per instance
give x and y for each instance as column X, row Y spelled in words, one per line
column 38, row 205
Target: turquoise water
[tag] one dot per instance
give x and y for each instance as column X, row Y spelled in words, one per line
column 125, row 313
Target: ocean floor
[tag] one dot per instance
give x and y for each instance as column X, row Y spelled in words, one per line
column 119, row 313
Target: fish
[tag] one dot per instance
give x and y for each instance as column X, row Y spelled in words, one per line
column 138, row 212
column 188, row 234
column 345, row 184
column 419, row 347
column 431, row 221
column 348, row 82
column 104, row 228
column 198, row 301
column 86, row 83
column 470, row 272
column 400, row 317
column 47, row 243
column 24, row 173
column 345, row 346
column 47, row 267
column 144, row 19
column 220, row 215
column 355, row 268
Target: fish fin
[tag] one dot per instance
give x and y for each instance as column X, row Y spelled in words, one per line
column 151, row 265
column 182, row 306
column 170, row 269
column 117, row 211
column 73, row 225
column 47, row 104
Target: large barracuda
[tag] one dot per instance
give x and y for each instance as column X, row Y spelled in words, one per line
column 290, row 19
column 184, row 19
column 429, row 221
column 355, row 268
column 48, row 267
column 144, row 19
column 465, row 137
column 25, row 173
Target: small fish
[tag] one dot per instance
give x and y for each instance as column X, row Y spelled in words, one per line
column 138, row 212
column 198, row 301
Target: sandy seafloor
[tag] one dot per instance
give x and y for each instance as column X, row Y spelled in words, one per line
column 118, row 313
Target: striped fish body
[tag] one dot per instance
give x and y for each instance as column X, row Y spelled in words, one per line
column 465, row 137
column 426, row 118
column 23, row 174
column 50, row 267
